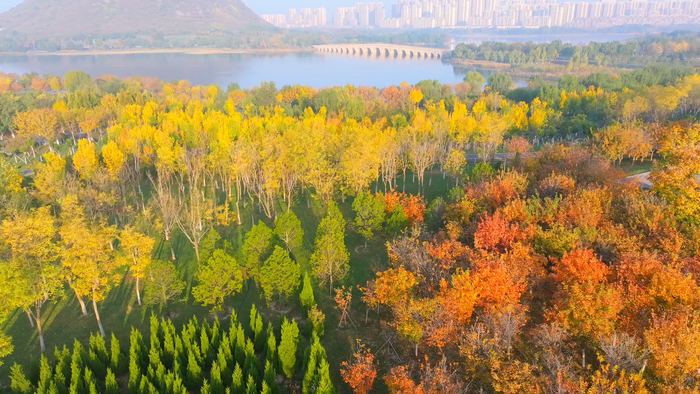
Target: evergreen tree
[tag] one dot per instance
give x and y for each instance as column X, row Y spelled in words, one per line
column 324, row 385
column 288, row 229
column 251, row 387
column 134, row 375
column 206, row 348
column 237, row 380
column 77, row 384
column 116, row 358
column 240, row 345
column 288, row 347
column 217, row 385
column 330, row 258
column 271, row 351
column 259, row 333
column 205, row 388
column 271, row 377
column 252, row 366
column 194, row 371
column 19, row 382
column 111, row 385
column 307, row 294
column 45, row 375
column 233, row 326
column 265, row 389
column 253, row 318
column 219, row 277
column 256, row 247
column 279, row 276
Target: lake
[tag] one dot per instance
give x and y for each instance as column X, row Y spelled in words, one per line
column 248, row 70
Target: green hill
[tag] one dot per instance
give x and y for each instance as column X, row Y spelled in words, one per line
column 69, row 18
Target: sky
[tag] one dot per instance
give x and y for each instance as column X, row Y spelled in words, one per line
column 260, row 6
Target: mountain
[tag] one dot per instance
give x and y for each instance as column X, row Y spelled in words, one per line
column 70, row 18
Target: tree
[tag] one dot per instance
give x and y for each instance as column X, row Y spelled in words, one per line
column 279, row 276
column 500, row 83
column 218, row 278
column 370, row 212
column 85, row 159
column 77, row 80
column 32, row 276
column 88, row 255
column 257, row 245
column 307, row 294
column 330, row 258
column 37, row 123
column 163, row 283
column 475, row 81
column 288, row 229
column 137, row 250
column 288, row 347
column 360, row 373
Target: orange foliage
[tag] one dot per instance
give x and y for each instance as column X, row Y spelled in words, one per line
column 495, row 234
column 360, row 373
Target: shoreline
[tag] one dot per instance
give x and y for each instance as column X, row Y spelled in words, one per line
column 147, row 51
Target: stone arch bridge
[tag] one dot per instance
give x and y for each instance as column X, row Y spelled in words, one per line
column 382, row 50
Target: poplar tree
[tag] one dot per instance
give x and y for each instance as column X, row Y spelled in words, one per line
column 370, row 213
column 330, row 258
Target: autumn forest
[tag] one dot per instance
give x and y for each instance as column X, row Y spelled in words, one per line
column 159, row 237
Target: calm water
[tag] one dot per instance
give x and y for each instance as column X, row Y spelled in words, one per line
column 248, row 70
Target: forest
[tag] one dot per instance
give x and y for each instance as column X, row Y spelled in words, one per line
column 412, row 239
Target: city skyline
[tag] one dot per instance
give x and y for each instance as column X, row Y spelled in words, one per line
column 465, row 14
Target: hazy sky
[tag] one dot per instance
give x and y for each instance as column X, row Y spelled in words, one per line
column 259, row 6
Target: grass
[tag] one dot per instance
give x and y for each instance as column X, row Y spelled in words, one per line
column 63, row 321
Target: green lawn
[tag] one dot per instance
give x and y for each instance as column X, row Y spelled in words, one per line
column 63, row 321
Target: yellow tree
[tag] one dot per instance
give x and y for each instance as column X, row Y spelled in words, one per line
column 37, row 123
column 50, row 178
column 137, row 249
column 85, row 159
column 87, row 254
column 35, row 274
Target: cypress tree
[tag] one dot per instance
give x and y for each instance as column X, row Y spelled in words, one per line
column 265, row 389
column 45, row 375
column 259, row 333
column 19, row 382
column 194, row 371
column 205, row 388
column 233, row 326
column 99, row 347
column 90, row 382
column 288, row 347
column 240, row 345
column 251, row 387
column 217, row 385
column 77, row 385
column 237, row 380
column 223, row 366
column 134, row 375
column 253, row 318
column 271, row 352
column 207, row 353
column 251, row 366
column 270, row 378
column 116, row 358
column 307, row 294
column 324, row 385
column 111, row 385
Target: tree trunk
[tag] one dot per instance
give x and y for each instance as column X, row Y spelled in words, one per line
column 196, row 250
column 138, row 292
column 42, row 345
column 83, row 309
column 97, row 316
column 416, row 349
column 31, row 319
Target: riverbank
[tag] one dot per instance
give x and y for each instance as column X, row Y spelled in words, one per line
column 138, row 51
column 479, row 64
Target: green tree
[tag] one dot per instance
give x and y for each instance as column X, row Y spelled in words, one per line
column 288, row 347
column 209, row 244
column 397, row 222
column 500, row 83
column 218, row 278
column 111, row 385
column 370, row 213
column 19, row 382
column 77, row 80
column 256, row 247
column 307, row 294
column 288, row 229
column 330, row 258
column 475, row 81
column 163, row 283
column 279, row 276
